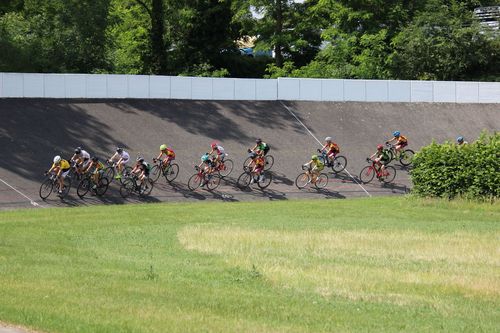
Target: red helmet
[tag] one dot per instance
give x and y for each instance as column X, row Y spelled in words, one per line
column 214, row 144
column 380, row 147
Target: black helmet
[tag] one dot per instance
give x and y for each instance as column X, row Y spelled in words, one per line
column 95, row 159
column 259, row 140
column 119, row 150
column 78, row 150
column 140, row 159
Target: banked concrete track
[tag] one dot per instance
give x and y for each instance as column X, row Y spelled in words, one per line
column 32, row 131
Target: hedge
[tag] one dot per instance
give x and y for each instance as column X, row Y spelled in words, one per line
column 449, row 170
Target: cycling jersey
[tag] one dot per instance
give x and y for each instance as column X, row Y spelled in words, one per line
column 384, row 154
column 220, row 150
column 262, row 146
column 168, row 152
column 402, row 139
column 64, row 165
column 333, row 147
column 318, row 164
column 84, row 155
column 259, row 161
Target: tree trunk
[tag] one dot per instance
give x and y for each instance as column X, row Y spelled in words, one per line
column 278, row 34
column 159, row 54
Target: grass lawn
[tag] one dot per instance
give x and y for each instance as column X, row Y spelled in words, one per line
column 361, row 265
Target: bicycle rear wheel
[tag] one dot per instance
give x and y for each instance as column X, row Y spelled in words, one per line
column 389, row 174
column 321, row 181
column 265, row 181
column 226, row 168
column 406, row 157
column 213, row 182
column 67, row 186
column 171, row 172
column 269, row 162
column 126, row 172
column 339, row 164
column 102, row 187
column 302, row 180
column 366, row 175
column 146, row 188
column 83, row 187
column 46, row 188
column 155, row 173
column 243, row 180
column 127, row 187
column 195, row 181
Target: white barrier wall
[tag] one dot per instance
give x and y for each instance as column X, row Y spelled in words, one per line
column 201, row 88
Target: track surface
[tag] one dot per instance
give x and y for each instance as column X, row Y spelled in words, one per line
column 32, row 131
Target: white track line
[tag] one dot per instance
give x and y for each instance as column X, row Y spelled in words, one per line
column 32, row 202
column 320, row 144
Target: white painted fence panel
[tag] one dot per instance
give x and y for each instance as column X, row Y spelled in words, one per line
column 266, row 90
column 138, row 86
column 421, row 91
column 444, row 92
column 180, row 87
column 223, row 89
column 489, row 92
column 13, row 85
column 289, row 89
column 355, row 90
column 1, row 86
column 399, row 91
column 377, row 91
column 117, row 86
column 75, row 85
column 96, row 86
column 467, row 92
column 33, row 85
column 54, row 85
column 244, row 89
column 310, row 89
column 332, row 90
column 159, row 86
column 201, row 88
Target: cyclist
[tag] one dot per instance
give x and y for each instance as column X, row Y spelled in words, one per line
column 401, row 141
column 206, row 164
column 120, row 158
column 169, row 155
column 98, row 170
column 461, row 141
column 381, row 158
column 81, row 159
column 61, row 168
column 141, row 169
column 218, row 153
column 316, row 166
column 258, row 166
column 331, row 149
column 260, row 147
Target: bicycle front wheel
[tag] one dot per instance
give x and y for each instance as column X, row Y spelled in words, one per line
column 195, row 181
column 171, row 172
column 269, row 162
column 243, row 180
column 366, row 175
column 46, row 188
column 389, row 174
column 83, row 187
column 127, row 187
column 213, row 181
column 339, row 164
column 302, row 180
column 155, row 173
column 321, row 181
column 226, row 168
column 406, row 157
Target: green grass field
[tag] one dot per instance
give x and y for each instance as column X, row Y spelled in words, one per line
column 361, row 265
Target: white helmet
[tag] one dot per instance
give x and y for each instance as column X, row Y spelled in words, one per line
column 57, row 159
column 328, row 139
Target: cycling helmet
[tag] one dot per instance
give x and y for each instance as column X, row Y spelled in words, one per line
column 328, row 139
column 163, row 147
column 205, row 158
column 95, row 159
column 78, row 150
column 258, row 141
column 119, row 150
column 213, row 145
column 140, row 159
column 57, row 159
column 380, row 147
column 396, row 134
column 314, row 157
column 460, row 139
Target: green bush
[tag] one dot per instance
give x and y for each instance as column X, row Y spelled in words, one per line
column 449, row 170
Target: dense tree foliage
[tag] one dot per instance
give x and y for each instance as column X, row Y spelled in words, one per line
column 372, row 39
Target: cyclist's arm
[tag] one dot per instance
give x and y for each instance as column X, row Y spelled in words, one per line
column 119, row 161
column 159, row 156
column 51, row 168
column 391, row 140
column 373, row 155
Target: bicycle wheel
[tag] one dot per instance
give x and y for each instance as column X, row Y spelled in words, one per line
column 67, row 186
column 246, row 162
column 213, row 181
column 266, row 180
column 226, row 168
column 146, row 188
column 321, row 181
column 339, row 164
column 269, row 162
column 83, row 187
column 102, row 187
column 195, row 181
column 109, row 173
column 243, row 180
column 155, row 173
column 46, row 188
column 390, row 153
column 389, row 174
column 406, row 157
column 366, row 175
column 302, row 180
column 126, row 172
column 127, row 187
column 171, row 172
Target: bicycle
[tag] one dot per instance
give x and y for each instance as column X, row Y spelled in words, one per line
column 405, row 156
column 245, row 179
column 201, row 178
column 225, row 167
column 88, row 183
column 338, row 164
column 305, row 178
column 48, row 185
column 110, row 171
column 368, row 173
column 269, row 161
column 170, row 171
column 131, row 184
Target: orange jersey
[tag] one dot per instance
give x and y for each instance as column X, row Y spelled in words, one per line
column 259, row 161
column 402, row 139
column 168, row 152
column 333, row 147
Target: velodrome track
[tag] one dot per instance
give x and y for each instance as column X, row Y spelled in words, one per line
column 32, row 131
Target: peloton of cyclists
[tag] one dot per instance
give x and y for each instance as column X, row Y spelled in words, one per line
column 61, row 168
column 120, row 158
column 331, row 149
